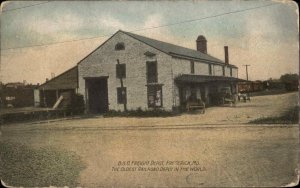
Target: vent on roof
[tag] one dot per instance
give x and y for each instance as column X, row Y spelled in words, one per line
column 226, row 55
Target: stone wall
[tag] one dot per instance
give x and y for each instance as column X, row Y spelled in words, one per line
column 102, row 62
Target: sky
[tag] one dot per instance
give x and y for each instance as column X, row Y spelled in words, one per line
column 40, row 39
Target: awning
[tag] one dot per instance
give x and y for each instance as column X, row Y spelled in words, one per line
column 190, row 78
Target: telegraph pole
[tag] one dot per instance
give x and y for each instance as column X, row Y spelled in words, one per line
column 246, row 70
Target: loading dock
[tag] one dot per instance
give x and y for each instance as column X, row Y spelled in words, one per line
column 96, row 95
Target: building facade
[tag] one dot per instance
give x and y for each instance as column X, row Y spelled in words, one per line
column 130, row 71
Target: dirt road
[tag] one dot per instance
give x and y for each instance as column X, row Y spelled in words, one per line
column 221, row 149
column 260, row 106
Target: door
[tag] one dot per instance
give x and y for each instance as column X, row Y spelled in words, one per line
column 97, row 95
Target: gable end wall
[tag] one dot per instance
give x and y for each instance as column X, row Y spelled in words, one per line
column 102, row 62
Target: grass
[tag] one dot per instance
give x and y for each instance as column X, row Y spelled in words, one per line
column 140, row 113
column 21, row 165
column 289, row 117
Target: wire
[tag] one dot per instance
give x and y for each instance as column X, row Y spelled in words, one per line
column 25, row 6
column 39, row 45
column 198, row 19
column 148, row 28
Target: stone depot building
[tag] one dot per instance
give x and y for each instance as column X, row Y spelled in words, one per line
column 132, row 71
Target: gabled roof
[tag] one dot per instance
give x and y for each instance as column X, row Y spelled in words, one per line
column 170, row 49
column 176, row 51
column 66, row 80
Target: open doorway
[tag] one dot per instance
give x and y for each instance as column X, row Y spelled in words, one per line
column 97, row 95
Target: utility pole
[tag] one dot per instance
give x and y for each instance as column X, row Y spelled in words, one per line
column 246, row 70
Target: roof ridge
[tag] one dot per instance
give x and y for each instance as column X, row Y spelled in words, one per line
column 160, row 41
column 147, row 38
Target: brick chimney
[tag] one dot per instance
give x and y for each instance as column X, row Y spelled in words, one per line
column 201, row 44
column 226, row 55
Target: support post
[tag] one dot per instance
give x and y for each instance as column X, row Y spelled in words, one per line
column 56, row 94
column 122, row 88
column 247, row 70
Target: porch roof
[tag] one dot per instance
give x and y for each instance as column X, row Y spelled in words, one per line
column 191, row 78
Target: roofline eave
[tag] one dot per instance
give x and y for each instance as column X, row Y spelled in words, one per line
column 58, row 76
column 188, row 78
column 79, row 62
column 54, row 89
column 174, row 55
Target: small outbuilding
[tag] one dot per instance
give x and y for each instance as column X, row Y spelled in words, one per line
column 65, row 84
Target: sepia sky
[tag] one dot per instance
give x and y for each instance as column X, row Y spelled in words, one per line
column 265, row 38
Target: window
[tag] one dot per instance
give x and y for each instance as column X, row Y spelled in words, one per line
column 231, row 71
column 149, row 54
column 121, row 70
column 121, row 95
column 192, row 67
column 210, row 69
column 152, row 72
column 120, row 46
column 154, row 96
column 223, row 70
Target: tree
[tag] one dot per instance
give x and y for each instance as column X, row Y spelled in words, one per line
column 287, row 78
column 291, row 81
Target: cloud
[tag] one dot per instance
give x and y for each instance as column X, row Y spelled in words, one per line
column 153, row 21
column 107, row 21
column 36, row 64
column 63, row 23
column 161, row 33
column 265, row 38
